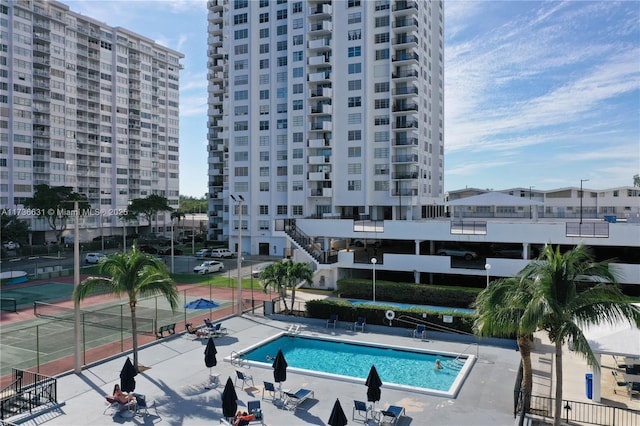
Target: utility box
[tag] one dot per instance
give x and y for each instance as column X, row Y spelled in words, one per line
column 267, row 307
column 588, row 378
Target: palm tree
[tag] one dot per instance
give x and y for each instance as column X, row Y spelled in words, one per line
column 286, row 273
column 564, row 298
column 135, row 274
column 499, row 309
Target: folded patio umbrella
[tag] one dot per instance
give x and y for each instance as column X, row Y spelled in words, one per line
column 201, row 304
column 210, row 354
column 229, row 399
column 373, row 385
column 127, row 381
column 280, row 368
column 337, row 417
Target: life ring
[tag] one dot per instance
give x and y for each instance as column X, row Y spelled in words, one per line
column 390, row 315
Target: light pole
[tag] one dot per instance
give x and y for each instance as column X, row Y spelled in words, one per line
column 487, row 267
column 193, row 232
column 373, row 263
column 239, row 200
column 172, row 257
column 581, row 196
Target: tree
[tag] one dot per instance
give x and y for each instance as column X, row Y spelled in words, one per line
column 286, row 273
column 14, row 229
column 135, row 274
column 149, row 207
column 569, row 291
column 636, row 180
column 55, row 204
column 179, row 215
column 193, row 205
column 500, row 309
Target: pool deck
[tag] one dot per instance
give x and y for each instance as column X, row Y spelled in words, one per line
column 176, row 378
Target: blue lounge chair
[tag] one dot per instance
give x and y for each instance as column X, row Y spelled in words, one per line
column 245, row 378
column 333, row 319
column 391, row 414
column 253, row 407
column 360, row 407
column 420, row 331
column 362, row 321
column 269, row 387
column 293, row 400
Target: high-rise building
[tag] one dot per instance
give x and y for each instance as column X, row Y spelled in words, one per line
column 85, row 105
column 323, row 109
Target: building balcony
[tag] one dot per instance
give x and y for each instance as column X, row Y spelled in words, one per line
column 319, row 159
column 323, row 43
column 404, row 158
column 405, row 107
column 405, row 91
column 318, row 143
column 321, row 92
column 405, row 39
column 405, row 6
column 319, row 176
column 405, row 142
column 318, row 60
column 322, row 109
column 408, row 124
column 321, row 192
column 406, row 23
column 403, row 57
column 319, row 76
column 324, row 27
column 324, row 126
column 320, row 10
column 404, row 175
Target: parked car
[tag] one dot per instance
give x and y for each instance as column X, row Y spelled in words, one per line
column 258, row 269
column 208, row 267
column 203, row 253
column 465, row 254
column 221, row 253
column 94, row 257
column 11, row 245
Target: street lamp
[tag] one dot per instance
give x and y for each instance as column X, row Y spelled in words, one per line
column 487, row 267
column 373, row 263
column 172, row 253
column 239, row 200
column 581, row 196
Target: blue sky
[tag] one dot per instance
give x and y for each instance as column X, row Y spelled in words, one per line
column 539, row 94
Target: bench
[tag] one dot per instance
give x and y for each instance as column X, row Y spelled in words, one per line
column 169, row 328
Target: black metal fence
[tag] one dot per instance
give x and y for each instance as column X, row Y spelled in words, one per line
column 27, row 391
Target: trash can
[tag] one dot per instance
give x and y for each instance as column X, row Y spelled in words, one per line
column 267, row 307
column 589, row 384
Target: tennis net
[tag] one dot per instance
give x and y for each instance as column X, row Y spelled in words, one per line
column 98, row 319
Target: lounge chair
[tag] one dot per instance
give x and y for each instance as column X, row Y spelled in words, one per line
column 215, row 329
column 420, row 331
column 333, row 319
column 245, row 379
column 195, row 331
column 391, row 414
column 116, row 405
column 142, row 405
column 269, row 387
column 360, row 407
column 293, row 400
column 618, row 382
column 362, row 321
column 294, row 329
column 253, row 407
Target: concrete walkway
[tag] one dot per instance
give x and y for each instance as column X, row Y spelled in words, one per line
column 176, row 378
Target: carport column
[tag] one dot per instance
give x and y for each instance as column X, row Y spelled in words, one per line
column 417, row 250
column 597, row 378
column 525, row 251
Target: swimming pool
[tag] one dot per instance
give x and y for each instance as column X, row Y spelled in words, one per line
column 409, row 306
column 399, row 367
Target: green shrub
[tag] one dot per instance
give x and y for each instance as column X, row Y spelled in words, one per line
column 420, row 294
column 375, row 314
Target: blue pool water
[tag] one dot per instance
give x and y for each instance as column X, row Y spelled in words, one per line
column 399, row 366
column 408, row 306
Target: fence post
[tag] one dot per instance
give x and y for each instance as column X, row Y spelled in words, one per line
column 37, row 347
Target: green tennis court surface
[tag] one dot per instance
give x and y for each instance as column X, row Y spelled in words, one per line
column 44, row 292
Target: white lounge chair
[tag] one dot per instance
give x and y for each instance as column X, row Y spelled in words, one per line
column 293, row 400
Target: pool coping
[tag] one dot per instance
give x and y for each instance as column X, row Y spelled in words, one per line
column 236, row 359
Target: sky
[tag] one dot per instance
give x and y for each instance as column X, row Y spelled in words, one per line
column 538, row 94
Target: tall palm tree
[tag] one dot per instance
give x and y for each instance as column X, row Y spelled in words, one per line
column 135, row 274
column 569, row 291
column 284, row 274
column 499, row 309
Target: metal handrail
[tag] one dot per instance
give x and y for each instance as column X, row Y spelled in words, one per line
column 438, row 327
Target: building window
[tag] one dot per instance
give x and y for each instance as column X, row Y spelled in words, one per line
column 263, row 225
column 297, row 210
column 354, row 35
column 240, row 126
column 264, row 17
column 380, row 185
column 264, row 32
column 282, row 123
column 241, row 171
column 298, row 88
column 354, row 185
column 263, row 209
column 354, row 118
column 381, row 87
column 354, row 135
column 264, row 64
column 281, row 209
column 241, row 34
column 264, row 155
column 355, row 84
column 382, row 21
column 297, row 153
column 264, row 124
column 381, row 103
column 298, row 72
column 281, row 155
column 382, row 54
column 264, row 186
column 281, row 171
column 354, row 151
column 354, row 51
column 296, row 7
column 297, row 185
column 297, row 56
column 240, row 19
column 354, row 101
column 354, row 168
column 355, row 68
column 380, row 169
column 354, row 18
column 281, row 30
column 264, row 48
column 281, row 14
column 381, row 38
column 297, row 104
column 264, row 171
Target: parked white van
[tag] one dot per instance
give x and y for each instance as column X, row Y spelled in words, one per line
column 221, row 253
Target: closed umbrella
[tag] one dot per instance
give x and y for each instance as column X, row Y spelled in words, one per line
column 337, row 417
column 229, row 399
column 127, row 381
column 210, row 359
column 373, row 385
column 280, row 368
column 202, row 304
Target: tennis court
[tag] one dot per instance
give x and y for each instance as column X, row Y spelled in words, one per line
column 27, row 344
column 25, row 295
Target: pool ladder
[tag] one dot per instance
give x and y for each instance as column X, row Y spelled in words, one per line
column 236, row 359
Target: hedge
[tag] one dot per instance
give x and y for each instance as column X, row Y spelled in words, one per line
column 420, row 294
column 375, row 314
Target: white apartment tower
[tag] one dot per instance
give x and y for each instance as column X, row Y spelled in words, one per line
column 85, row 105
column 323, row 109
